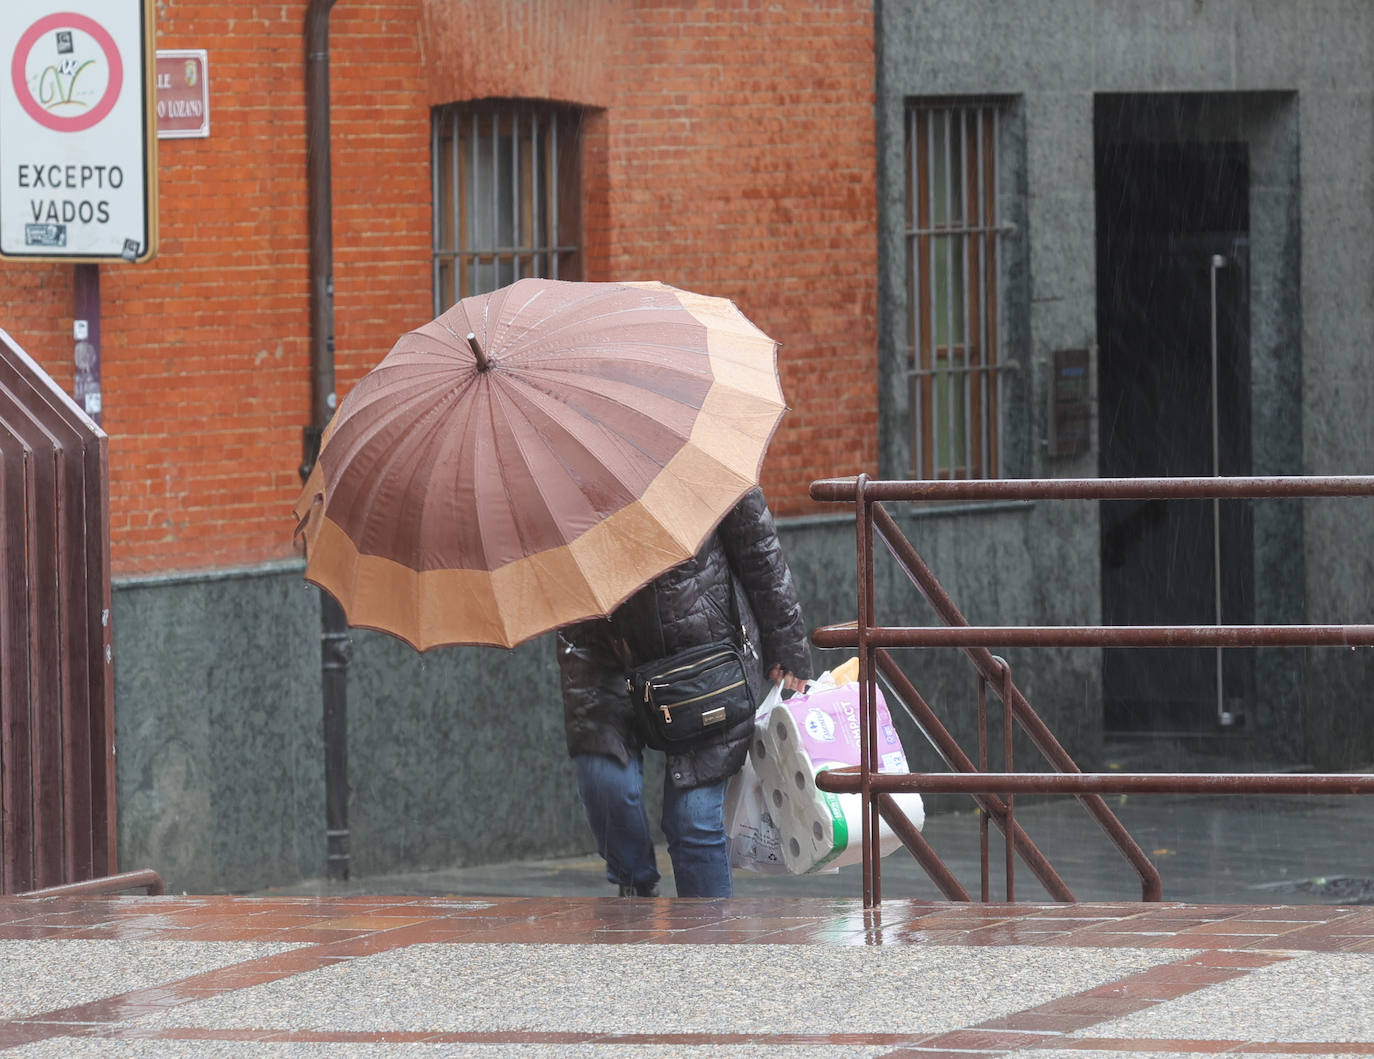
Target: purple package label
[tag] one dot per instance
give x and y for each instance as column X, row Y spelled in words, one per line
column 828, row 726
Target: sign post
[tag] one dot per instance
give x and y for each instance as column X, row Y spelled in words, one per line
column 78, row 149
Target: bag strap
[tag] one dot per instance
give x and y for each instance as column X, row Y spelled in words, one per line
column 746, row 645
column 658, row 624
column 740, row 634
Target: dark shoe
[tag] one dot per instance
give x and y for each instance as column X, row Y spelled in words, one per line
column 639, row 890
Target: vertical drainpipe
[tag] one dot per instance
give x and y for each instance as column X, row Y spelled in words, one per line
column 335, row 645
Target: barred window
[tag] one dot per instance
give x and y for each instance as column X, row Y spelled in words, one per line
column 952, row 232
column 506, row 196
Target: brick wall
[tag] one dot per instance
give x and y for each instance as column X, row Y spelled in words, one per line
column 731, row 152
column 742, row 163
column 204, row 349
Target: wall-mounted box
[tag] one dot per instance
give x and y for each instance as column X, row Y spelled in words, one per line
column 1072, row 395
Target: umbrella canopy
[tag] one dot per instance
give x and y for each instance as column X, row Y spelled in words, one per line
column 533, row 456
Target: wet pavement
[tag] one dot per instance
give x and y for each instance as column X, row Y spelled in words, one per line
column 1249, row 956
column 383, row 977
column 1229, row 849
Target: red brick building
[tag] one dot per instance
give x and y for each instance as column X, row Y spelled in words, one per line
column 725, row 147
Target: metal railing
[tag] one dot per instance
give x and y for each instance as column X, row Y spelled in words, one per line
column 995, row 791
column 57, row 796
column 145, row 879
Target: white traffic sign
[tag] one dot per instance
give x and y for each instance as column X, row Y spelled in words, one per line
column 78, row 163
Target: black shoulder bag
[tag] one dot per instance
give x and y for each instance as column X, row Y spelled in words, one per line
column 689, row 697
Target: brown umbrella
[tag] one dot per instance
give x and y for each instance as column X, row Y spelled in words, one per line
column 534, row 455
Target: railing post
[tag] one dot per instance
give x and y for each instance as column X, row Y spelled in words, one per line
column 983, row 858
column 1007, row 732
column 872, row 892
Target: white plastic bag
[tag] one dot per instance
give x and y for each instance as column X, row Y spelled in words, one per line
column 755, row 842
column 770, row 700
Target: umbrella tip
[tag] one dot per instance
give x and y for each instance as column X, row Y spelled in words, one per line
column 482, row 363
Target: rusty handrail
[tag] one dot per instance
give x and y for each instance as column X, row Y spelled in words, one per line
column 845, row 635
column 1254, row 488
column 916, row 842
column 953, row 755
column 1151, row 885
column 871, row 640
column 847, row 780
column 144, row 879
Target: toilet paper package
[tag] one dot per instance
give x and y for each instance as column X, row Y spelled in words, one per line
column 826, row 833
column 824, row 725
column 801, row 737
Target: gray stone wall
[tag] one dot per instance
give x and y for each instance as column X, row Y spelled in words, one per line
column 1292, row 80
column 455, row 756
column 218, row 758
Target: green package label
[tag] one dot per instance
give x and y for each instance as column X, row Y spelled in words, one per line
column 841, row 828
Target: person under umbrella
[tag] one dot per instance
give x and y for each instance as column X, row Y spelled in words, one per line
column 532, row 459
column 689, row 605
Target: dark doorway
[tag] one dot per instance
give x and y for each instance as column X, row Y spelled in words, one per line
column 1172, row 279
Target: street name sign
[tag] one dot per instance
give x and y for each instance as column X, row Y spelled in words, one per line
column 183, row 94
column 78, row 145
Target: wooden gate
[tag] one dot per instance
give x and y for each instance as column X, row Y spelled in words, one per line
column 57, row 804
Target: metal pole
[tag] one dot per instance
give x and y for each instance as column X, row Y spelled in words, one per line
column 872, row 892
column 335, row 646
column 843, row 489
column 1224, row 717
column 86, row 335
column 336, row 650
column 319, row 224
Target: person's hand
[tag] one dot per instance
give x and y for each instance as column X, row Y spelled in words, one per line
column 785, row 677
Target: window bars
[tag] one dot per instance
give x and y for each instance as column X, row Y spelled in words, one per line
column 506, row 196
column 952, row 231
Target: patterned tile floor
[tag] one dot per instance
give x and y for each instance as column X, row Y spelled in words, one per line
column 584, row 976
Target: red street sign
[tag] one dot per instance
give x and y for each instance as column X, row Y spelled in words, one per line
column 183, row 95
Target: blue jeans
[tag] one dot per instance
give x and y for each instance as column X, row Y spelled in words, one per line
column 693, row 821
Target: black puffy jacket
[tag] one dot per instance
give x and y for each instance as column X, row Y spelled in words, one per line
column 685, row 607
